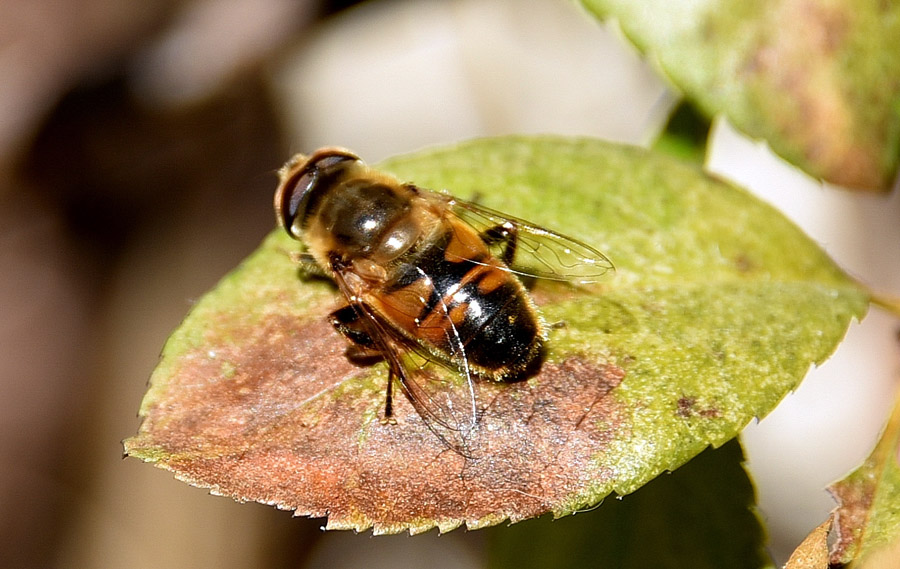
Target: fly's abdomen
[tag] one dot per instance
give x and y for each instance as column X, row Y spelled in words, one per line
column 486, row 310
column 471, row 301
column 501, row 331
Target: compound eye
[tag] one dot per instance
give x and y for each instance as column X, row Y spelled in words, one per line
column 327, row 163
column 293, row 198
column 298, row 195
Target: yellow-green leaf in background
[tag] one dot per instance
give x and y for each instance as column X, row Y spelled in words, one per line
column 717, row 309
column 818, row 80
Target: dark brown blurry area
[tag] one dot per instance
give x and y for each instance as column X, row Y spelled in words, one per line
column 115, row 169
column 115, row 214
column 133, row 212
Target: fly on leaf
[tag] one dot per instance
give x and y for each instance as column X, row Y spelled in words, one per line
column 428, row 279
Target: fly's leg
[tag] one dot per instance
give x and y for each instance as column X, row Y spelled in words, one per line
column 303, row 258
column 308, row 264
column 389, row 400
column 348, row 323
column 506, row 233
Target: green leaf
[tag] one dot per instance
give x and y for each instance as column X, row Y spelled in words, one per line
column 867, row 520
column 717, row 309
column 699, row 516
column 819, row 81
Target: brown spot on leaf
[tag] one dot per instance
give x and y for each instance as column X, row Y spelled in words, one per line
column 687, row 407
column 744, row 264
column 710, row 413
column 296, row 425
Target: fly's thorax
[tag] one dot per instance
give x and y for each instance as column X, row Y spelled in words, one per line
column 371, row 219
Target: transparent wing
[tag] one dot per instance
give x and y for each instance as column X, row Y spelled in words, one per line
column 440, row 388
column 538, row 252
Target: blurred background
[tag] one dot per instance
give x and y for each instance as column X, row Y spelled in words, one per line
column 138, row 148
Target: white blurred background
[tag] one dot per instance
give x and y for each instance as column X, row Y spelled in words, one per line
column 138, row 144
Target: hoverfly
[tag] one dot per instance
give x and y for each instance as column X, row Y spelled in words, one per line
column 427, row 278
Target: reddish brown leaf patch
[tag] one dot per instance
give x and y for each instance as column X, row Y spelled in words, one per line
column 866, row 521
column 285, row 419
column 855, row 499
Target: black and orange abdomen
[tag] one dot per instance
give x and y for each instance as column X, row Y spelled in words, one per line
column 454, row 288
